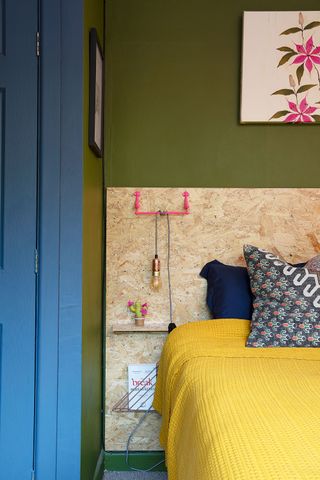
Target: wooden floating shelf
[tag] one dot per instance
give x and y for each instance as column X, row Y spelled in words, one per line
column 131, row 328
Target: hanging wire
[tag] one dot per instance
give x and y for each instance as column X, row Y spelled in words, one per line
column 168, row 268
column 156, row 236
column 171, row 326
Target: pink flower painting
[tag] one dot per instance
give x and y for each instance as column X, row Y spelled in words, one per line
column 307, row 56
column 280, row 74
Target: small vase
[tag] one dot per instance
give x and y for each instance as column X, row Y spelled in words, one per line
column 139, row 321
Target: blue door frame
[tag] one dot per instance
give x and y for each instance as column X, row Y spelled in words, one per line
column 58, row 421
column 18, row 234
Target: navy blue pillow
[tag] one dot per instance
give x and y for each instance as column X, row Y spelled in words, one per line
column 228, row 293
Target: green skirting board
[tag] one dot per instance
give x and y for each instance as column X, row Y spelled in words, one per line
column 116, row 461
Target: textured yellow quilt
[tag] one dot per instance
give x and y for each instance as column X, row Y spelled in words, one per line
column 236, row 413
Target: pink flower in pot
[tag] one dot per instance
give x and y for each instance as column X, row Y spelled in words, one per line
column 140, row 311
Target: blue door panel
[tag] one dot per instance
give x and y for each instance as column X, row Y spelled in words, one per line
column 2, row 27
column 2, row 151
column 18, row 196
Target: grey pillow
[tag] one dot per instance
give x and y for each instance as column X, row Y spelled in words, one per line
column 313, row 265
column 286, row 306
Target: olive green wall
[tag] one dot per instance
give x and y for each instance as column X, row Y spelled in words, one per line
column 173, row 100
column 92, row 420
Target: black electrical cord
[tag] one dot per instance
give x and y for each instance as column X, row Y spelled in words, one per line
column 171, row 325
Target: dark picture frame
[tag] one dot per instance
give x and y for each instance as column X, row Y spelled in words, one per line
column 96, row 78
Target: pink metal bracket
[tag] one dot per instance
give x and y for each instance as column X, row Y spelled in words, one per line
column 186, row 207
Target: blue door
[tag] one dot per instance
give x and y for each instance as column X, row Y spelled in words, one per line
column 18, row 213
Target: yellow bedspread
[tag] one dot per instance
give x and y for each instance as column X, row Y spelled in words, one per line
column 236, row 413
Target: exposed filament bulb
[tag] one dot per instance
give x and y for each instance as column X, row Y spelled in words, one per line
column 156, row 279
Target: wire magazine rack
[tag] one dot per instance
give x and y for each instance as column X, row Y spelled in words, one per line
column 137, row 397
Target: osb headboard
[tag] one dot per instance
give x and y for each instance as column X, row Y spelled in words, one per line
column 221, row 221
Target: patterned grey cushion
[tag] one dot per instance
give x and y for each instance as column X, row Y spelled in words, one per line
column 286, row 304
column 313, row 265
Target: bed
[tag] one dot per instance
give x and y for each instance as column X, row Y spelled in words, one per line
column 236, row 413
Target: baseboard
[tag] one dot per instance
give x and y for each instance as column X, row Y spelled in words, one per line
column 116, row 461
column 98, row 473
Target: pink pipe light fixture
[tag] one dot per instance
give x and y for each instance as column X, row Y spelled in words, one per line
column 186, row 207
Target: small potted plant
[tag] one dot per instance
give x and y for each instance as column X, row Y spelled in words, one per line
column 140, row 311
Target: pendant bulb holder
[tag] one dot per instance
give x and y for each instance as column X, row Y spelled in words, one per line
column 156, row 279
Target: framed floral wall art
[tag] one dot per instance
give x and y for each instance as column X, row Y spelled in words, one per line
column 95, row 94
column 281, row 67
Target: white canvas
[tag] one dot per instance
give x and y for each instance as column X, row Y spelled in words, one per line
column 298, row 36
